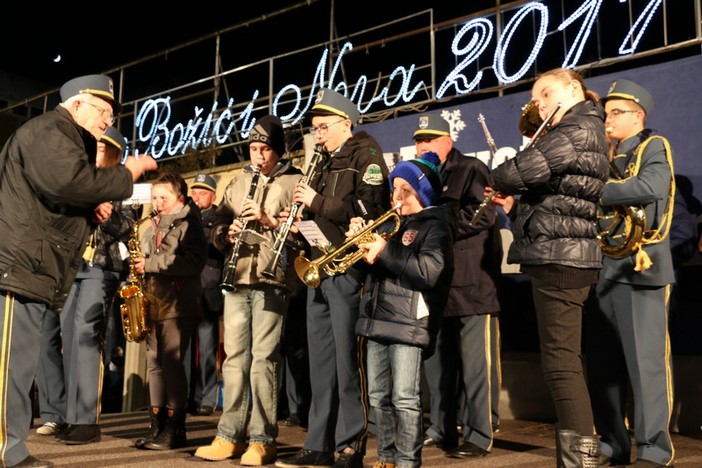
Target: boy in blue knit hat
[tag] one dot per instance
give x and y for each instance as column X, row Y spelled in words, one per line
column 401, row 309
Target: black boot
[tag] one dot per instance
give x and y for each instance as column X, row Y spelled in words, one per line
column 173, row 434
column 157, row 414
column 577, row 451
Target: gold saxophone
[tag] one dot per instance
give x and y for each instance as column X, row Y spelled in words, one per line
column 135, row 309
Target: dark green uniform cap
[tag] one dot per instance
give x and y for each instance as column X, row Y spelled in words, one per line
column 431, row 126
column 97, row 85
column 113, row 137
column 625, row 89
column 330, row 102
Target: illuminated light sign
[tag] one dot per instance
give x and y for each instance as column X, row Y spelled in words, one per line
column 165, row 138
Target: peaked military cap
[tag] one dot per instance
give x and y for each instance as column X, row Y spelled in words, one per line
column 204, row 181
column 625, row 89
column 431, row 126
column 98, row 85
column 330, row 102
column 113, row 137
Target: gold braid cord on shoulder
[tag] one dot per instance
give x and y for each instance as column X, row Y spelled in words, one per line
column 654, row 236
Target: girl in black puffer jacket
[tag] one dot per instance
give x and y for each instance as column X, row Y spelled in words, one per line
column 560, row 179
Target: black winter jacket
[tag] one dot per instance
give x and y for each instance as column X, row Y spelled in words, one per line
column 477, row 249
column 49, row 186
column 560, row 179
column 416, row 266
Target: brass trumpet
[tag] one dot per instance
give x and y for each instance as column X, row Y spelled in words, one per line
column 336, row 260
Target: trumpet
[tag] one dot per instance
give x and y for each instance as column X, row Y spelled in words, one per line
column 528, row 111
column 336, row 260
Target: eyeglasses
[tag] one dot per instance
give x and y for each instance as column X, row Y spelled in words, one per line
column 101, row 112
column 324, row 127
column 618, row 112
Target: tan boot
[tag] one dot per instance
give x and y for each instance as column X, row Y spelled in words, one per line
column 382, row 464
column 259, row 454
column 220, row 449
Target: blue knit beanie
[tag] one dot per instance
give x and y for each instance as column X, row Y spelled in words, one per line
column 423, row 175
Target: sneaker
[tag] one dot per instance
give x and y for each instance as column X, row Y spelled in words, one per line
column 51, row 428
column 259, row 454
column 220, row 449
column 82, row 434
column 307, row 458
column 382, row 464
column 349, row 460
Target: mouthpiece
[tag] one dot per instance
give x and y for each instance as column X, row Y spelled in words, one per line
column 609, row 129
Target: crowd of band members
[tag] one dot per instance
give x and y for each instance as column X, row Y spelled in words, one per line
column 559, row 180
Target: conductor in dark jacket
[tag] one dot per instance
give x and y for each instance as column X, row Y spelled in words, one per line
column 49, row 190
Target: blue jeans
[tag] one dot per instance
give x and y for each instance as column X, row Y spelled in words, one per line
column 394, row 391
column 253, row 326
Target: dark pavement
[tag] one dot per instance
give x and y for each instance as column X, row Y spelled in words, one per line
column 517, row 444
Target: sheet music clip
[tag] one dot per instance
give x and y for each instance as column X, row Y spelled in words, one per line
column 314, row 236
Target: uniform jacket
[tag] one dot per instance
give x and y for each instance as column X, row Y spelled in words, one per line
column 477, row 249
column 173, row 267
column 49, row 186
column 406, row 291
column 273, row 195
column 212, row 272
column 351, row 182
column 560, row 179
column 650, row 188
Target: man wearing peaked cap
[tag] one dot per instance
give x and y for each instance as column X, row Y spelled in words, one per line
column 351, row 181
column 50, row 160
column 98, row 85
column 628, row 326
column 470, row 319
column 201, row 367
column 330, row 102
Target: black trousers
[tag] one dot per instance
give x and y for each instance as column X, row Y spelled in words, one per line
column 559, row 316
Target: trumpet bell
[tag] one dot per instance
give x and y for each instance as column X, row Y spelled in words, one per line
column 307, row 271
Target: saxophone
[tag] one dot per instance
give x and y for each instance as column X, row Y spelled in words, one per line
column 135, row 309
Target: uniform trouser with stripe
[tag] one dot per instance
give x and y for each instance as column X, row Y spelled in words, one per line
column 338, row 411
column 463, row 351
column 20, row 327
column 631, row 329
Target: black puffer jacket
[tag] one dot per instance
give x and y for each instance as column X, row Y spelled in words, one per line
column 560, row 179
column 49, row 186
column 416, row 266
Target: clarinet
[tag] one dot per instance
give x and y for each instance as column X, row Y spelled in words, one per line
column 284, row 230
column 486, row 202
column 490, row 140
column 229, row 271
